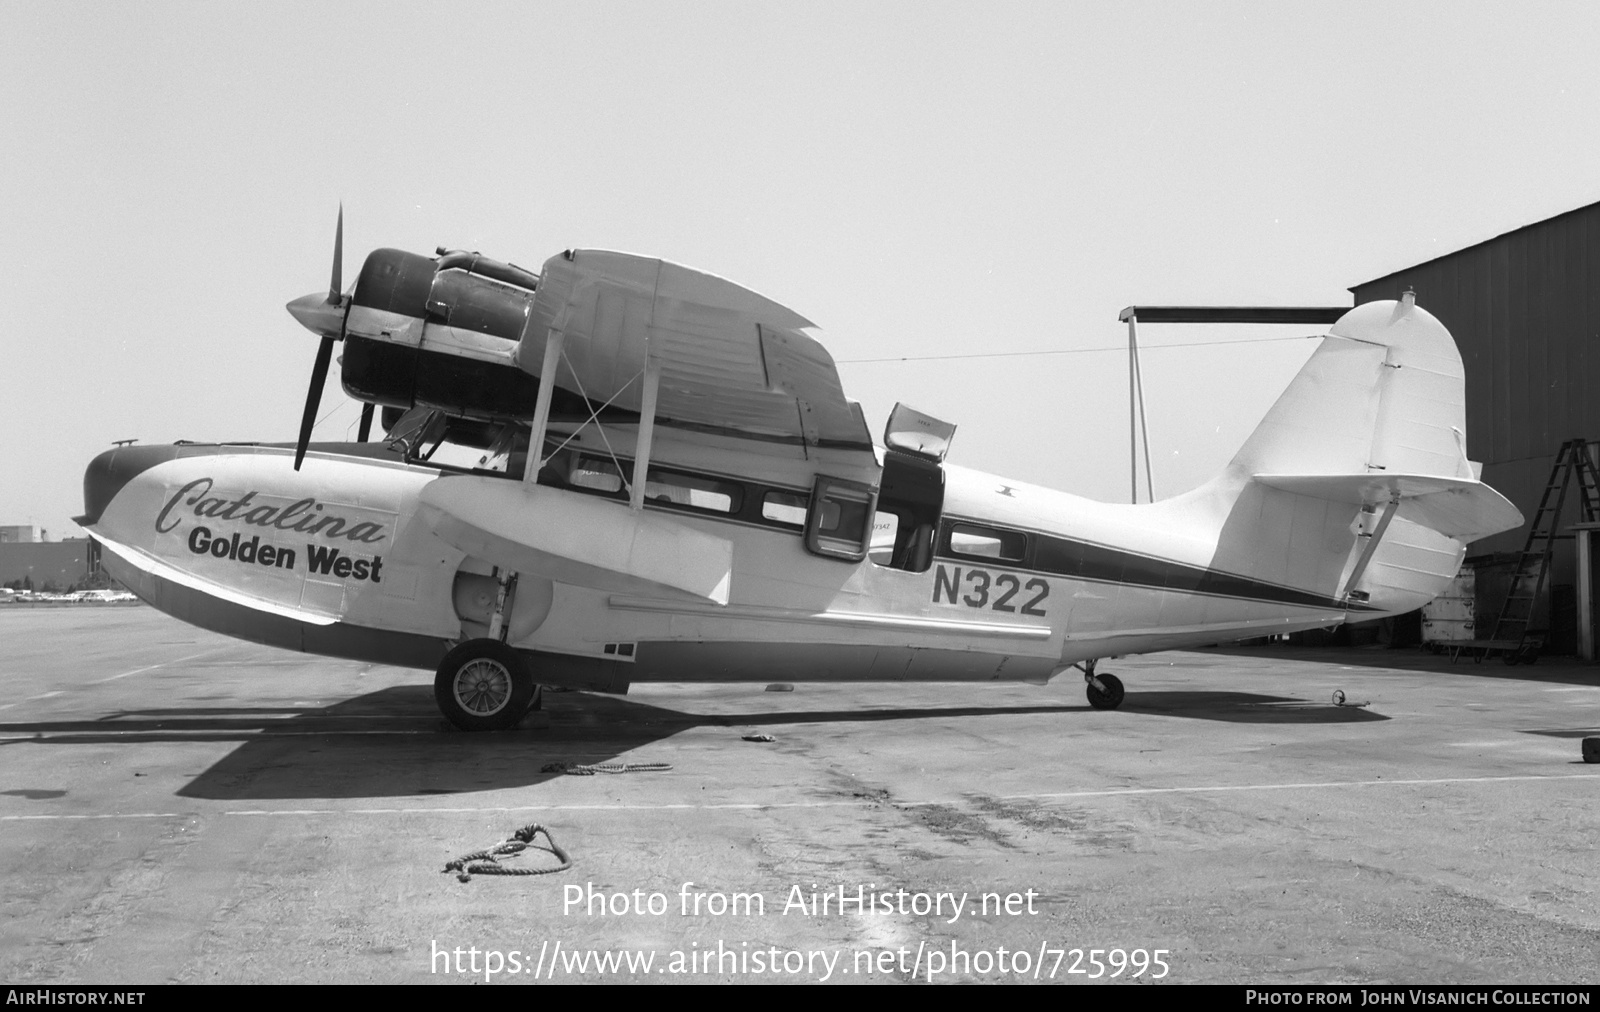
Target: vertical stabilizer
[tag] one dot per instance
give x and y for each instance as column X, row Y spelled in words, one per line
column 1384, row 394
column 1356, row 484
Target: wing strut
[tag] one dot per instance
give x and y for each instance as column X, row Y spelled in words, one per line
column 541, row 406
column 651, row 375
column 647, row 429
column 1371, row 546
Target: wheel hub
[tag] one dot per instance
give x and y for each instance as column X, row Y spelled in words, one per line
column 483, row 686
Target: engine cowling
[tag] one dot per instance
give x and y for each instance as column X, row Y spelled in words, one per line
column 437, row 333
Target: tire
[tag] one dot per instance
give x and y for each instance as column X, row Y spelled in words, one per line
column 1111, row 698
column 483, row 685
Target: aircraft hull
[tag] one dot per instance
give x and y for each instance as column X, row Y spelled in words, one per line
column 340, row 559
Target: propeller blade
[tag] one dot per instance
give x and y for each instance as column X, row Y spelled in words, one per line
column 319, row 376
column 366, row 422
column 324, row 314
column 335, row 287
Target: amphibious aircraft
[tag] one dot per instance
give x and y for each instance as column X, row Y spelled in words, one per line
column 664, row 480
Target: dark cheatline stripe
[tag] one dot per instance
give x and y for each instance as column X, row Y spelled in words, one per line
column 1083, row 560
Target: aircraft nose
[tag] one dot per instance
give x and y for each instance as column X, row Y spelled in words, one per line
column 113, row 469
column 318, row 315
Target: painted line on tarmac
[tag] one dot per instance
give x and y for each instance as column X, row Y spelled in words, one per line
column 152, row 667
column 507, row 810
column 759, row 805
column 125, row 674
column 31, row 699
column 106, row 815
column 486, row 810
column 1300, row 786
column 199, row 734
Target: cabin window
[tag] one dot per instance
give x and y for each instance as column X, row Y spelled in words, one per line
column 987, row 543
column 695, row 491
column 786, row 508
column 901, row 539
column 839, row 525
column 598, row 475
column 885, row 529
column 661, row 487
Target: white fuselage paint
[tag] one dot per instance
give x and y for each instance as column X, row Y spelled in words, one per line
column 340, row 543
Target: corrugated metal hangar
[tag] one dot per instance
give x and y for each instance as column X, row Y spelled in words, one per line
column 1524, row 308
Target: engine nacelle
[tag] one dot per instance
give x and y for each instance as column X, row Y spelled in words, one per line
column 438, row 334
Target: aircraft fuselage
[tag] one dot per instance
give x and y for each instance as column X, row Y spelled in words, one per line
column 1022, row 581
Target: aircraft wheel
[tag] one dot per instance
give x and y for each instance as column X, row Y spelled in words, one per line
column 1111, row 698
column 483, row 685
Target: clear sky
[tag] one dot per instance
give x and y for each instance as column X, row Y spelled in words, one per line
column 921, row 179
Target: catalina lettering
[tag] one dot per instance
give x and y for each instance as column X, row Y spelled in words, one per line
column 305, row 516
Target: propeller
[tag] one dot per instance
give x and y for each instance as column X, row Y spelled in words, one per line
column 324, row 316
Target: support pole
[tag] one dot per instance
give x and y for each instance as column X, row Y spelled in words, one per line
column 1144, row 424
column 1586, row 617
column 1137, row 423
column 1133, row 431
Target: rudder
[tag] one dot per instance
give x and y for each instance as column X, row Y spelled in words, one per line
column 1385, row 392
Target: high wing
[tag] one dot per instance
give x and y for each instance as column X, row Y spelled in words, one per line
column 684, row 349
column 730, row 360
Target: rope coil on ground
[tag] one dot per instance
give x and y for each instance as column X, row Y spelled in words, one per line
column 487, row 862
column 581, row 770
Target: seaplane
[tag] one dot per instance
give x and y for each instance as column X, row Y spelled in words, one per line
column 618, row 469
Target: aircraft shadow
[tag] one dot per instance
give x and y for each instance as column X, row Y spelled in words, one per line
column 1566, row 732
column 393, row 743
column 1245, row 708
column 1562, row 670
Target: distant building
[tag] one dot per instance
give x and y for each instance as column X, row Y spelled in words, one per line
column 50, row 565
column 21, row 534
column 1524, row 310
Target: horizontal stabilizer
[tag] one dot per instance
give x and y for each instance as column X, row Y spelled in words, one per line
column 1459, row 508
column 576, row 539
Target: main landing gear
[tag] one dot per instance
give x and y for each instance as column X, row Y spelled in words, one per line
column 484, row 685
column 1104, row 691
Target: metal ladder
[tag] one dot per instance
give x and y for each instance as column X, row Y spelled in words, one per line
column 1533, row 565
